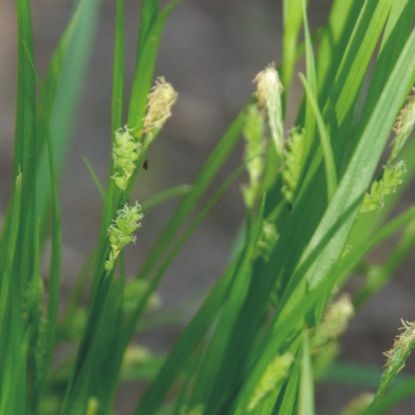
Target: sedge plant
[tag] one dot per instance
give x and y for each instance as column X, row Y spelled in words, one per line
column 318, row 196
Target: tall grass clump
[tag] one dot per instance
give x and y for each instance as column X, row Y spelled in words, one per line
column 318, row 195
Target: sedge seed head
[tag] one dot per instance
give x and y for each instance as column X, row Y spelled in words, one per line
column 121, row 231
column 125, row 153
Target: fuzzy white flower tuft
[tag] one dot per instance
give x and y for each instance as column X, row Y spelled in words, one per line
column 269, row 91
column 160, row 102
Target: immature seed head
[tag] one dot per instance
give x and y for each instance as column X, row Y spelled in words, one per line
column 267, row 240
column 335, row 321
column 136, row 355
column 254, row 151
column 293, row 164
column 359, row 404
column 92, row 406
column 392, row 177
column 275, row 373
column 160, row 102
column 125, row 153
column 121, row 231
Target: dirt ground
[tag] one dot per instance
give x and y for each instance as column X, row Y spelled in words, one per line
column 211, row 51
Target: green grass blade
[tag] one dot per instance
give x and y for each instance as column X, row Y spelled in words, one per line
column 306, row 396
column 292, row 18
column 146, row 62
column 118, row 69
column 94, row 177
column 62, row 87
column 356, row 57
column 325, row 142
column 189, row 339
column 165, row 196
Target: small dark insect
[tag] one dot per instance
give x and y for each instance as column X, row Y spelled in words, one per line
column 145, row 165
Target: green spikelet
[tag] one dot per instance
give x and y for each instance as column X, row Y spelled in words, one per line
column 335, row 321
column 121, row 232
column 267, row 239
column 93, row 406
column 125, row 153
column 275, row 373
column 254, row 149
column 294, row 159
column 392, row 177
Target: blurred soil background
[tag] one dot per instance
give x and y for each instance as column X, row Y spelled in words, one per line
column 211, row 51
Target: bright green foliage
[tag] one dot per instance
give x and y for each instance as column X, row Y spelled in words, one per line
column 269, row 330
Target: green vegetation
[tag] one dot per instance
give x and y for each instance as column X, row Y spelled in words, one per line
column 318, row 198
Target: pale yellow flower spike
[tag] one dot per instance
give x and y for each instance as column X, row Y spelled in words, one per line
column 269, row 91
column 160, row 102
